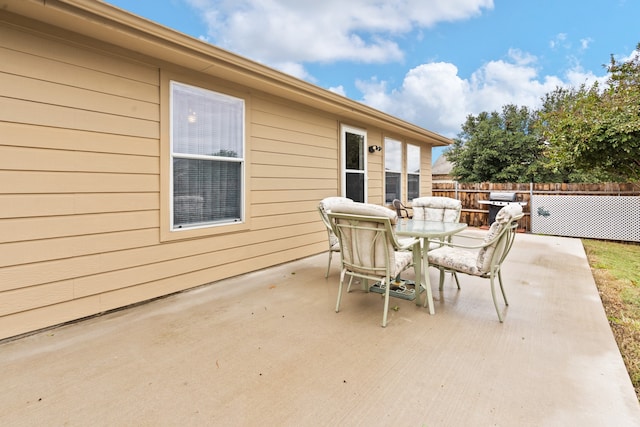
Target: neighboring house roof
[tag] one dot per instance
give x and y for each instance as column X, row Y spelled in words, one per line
column 109, row 24
column 442, row 166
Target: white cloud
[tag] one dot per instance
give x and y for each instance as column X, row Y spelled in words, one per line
column 278, row 31
column 295, row 69
column 585, row 43
column 286, row 34
column 578, row 76
column 434, row 96
column 626, row 58
column 559, row 41
column 339, row 90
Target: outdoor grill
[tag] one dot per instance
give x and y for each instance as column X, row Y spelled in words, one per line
column 497, row 200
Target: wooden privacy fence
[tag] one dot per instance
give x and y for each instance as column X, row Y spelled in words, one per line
column 477, row 215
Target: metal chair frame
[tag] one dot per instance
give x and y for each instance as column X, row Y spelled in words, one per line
column 502, row 244
column 324, row 209
column 361, row 239
column 399, row 207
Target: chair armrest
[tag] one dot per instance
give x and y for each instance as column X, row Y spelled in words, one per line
column 409, row 244
column 480, row 246
column 458, row 245
column 455, row 245
column 468, row 236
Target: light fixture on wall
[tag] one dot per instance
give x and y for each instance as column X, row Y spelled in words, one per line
column 374, row 148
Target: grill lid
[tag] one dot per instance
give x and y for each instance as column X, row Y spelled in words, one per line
column 502, row 196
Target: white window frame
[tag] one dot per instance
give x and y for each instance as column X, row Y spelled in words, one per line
column 388, row 142
column 344, row 129
column 410, row 148
column 174, row 155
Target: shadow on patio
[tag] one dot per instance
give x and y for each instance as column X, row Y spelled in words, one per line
column 268, row 349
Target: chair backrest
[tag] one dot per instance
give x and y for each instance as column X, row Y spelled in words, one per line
column 367, row 238
column 399, row 207
column 498, row 241
column 324, row 207
column 443, row 209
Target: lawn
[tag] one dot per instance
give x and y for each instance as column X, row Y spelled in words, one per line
column 616, row 270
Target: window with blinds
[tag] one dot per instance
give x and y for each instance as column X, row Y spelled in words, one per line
column 398, row 178
column 207, row 157
column 413, row 172
column 392, row 170
column 354, row 163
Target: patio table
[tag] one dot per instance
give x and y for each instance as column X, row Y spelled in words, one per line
column 427, row 230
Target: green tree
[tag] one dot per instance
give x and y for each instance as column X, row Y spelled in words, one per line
column 597, row 129
column 498, row 147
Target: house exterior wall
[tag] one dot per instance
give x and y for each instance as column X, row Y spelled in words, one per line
column 79, row 189
column 83, row 225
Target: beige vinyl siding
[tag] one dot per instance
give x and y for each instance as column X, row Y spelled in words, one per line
column 79, row 166
column 294, row 156
column 34, row 251
column 425, row 171
column 83, row 179
column 45, row 57
column 375, row 168
column 27, row 135
column 79, row 186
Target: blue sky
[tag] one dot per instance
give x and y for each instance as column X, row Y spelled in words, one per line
column 430, row 62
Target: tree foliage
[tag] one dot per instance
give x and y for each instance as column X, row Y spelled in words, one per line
column 585, row 134
column 594, row 128
column 498, row 147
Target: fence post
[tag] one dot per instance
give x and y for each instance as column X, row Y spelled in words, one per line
column 530, row 191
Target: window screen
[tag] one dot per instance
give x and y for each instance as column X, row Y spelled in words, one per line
column 354, row 143
column 392, row 170
column 207, row 150
column 413, row 172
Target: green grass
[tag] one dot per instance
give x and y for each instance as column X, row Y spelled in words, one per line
column 616, row 270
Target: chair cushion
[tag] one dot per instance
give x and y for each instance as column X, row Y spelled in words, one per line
column 328, row 203
column 485, row 254
column 404, row 241
column 434, row 245
column 402, row 261
column 508, row 213
column 443, row 209
column 325, row 207
column 455, row 259
column 476, row 264
column 363, row 250
column 503, row 219
column 368, row 209
column 437, row 202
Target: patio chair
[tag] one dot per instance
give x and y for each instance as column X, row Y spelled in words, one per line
column 324, row 207
column 443, row 209
column 370, row 249
column 436, row 208
column 486, row 261
column 400, row 209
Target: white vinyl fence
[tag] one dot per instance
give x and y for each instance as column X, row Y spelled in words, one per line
column 597, row 217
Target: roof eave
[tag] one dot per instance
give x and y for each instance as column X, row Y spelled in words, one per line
column 115, row 26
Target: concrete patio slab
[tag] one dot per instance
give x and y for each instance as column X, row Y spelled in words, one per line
column 268, row 349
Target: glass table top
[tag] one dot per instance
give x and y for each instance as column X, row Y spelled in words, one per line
column 428, row 229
